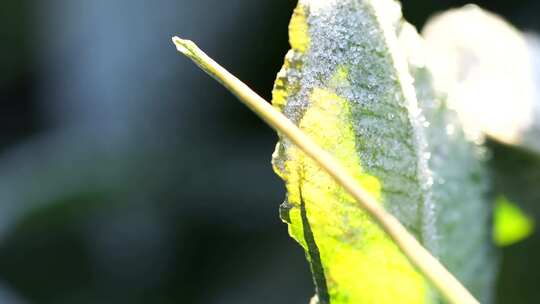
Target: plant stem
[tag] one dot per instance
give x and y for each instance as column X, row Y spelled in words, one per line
column 432, row 269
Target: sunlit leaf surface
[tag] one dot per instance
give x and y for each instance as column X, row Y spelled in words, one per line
column 348, row 83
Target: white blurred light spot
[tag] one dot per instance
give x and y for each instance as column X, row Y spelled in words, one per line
column 485, row 67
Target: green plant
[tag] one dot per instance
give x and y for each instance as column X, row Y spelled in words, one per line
column 360, row 104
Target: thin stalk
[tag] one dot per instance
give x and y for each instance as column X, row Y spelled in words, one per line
column 428, row 265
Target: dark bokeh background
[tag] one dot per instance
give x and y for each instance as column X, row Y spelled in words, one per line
column 129, row 176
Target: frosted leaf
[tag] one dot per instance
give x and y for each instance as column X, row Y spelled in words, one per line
column 460, row 191
column 347, row 83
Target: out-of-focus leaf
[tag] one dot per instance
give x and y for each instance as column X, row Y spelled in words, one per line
column 511, row 224
column 490, row 72
column 516, row 175
column 346, row 83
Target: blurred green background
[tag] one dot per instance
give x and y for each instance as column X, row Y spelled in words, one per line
column 129, row 176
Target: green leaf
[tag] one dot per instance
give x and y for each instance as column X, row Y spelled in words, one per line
column 347, row 83
column 511, row 224
column 516, row 175
column 460, row 182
